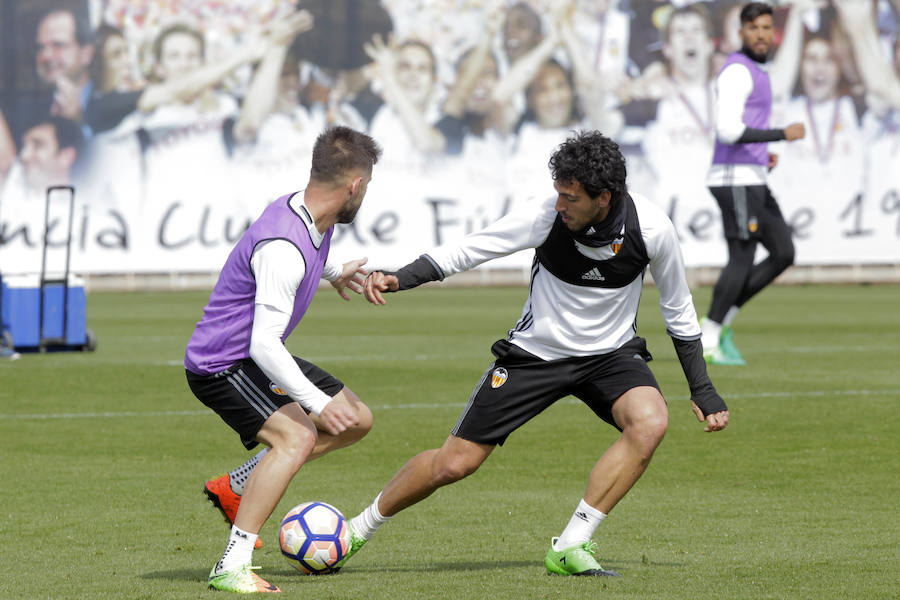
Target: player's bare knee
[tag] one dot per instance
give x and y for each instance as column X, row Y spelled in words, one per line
column 365, row 420
column 296, row 444
column 447, row 472
column 647, row 432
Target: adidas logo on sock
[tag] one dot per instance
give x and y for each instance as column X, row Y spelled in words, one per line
column 594, row 274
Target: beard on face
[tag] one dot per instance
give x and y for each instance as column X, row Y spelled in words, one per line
column 760, row 58
column 348, row 211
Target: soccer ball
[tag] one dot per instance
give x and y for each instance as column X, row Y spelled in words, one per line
column 314, row 537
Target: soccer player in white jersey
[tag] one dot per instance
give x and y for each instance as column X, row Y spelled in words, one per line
column 576, row 336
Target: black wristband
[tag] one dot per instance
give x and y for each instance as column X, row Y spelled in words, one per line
column 703, row 394
column 422, row 270
column 754, row 136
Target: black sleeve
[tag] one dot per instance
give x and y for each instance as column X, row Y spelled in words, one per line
column 752, row 136
column 703, row 394
column 422, row 270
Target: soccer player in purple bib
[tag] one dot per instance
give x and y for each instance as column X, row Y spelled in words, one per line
column 236, row 361
column 593, row 242
column 737, row 179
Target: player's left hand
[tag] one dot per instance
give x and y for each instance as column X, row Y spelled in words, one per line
column 338, row 416
column 773, row 160
column 351, row 277
column 714, row 422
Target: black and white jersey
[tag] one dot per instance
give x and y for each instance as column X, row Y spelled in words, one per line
column 583, row 300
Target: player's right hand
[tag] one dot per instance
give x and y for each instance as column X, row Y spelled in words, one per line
column 378, row 282
column 716, row 421
column 794, row 131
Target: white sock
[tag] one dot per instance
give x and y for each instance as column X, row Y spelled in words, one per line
column 239, row 550
column 581, row 526
column 240, row 475
column 710, row 333
column 730, row 315
column 366, row 523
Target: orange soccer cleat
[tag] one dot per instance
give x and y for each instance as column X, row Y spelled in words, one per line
column 219, row 492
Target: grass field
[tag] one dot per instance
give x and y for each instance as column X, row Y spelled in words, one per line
column 104, row 455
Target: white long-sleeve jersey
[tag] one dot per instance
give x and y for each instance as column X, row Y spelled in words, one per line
column 561, row 319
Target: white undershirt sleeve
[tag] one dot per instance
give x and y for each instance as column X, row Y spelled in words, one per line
column 523, row 228
column 279, row 268
column 332, row 271
column 733, row 86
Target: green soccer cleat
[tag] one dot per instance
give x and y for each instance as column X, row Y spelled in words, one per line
column 717, row 356
column 726, row 343
column 241, row 580
column 356, row 543
column 575, row 560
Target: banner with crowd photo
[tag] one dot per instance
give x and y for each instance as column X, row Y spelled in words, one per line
column 172, row 191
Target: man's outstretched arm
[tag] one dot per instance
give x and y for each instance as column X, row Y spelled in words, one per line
column 422, row 270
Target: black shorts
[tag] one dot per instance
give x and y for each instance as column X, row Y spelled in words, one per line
column 519, row 385
column 747, row 210
column 245, row 397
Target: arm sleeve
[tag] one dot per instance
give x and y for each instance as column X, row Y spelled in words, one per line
column 752, row 136
column 703, row 394
column 677, row 305
column 279, row 268
column 422, row 270
column 733, row 87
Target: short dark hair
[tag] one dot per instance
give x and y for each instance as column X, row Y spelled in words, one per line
column 340, row 150
column 84, row 35
column 594, row 161
column 68, row 133
column 753, row 11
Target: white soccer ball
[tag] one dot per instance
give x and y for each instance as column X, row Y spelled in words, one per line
column 314, row 537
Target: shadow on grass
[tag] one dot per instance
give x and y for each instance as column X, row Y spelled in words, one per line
column 447, row 566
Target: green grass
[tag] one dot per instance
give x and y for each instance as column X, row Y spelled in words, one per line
column 104, row 455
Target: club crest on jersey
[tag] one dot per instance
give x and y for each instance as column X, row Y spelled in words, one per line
column 277, row 389
column 753, row 225
column 617, row 244
column 499, row 377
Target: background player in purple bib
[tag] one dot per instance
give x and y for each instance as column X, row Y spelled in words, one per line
column 737, row 180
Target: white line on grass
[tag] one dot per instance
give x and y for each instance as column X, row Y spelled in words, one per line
column 444, row 357
column 417, row 406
